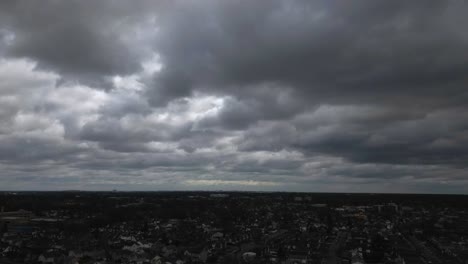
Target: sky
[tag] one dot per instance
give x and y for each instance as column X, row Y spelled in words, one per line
column 296, row 95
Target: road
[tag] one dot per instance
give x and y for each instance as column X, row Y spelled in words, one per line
column 334, row 248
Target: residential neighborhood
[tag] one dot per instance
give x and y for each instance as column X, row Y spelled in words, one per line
column 202, row 227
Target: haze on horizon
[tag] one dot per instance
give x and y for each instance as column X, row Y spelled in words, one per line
column 296, row 95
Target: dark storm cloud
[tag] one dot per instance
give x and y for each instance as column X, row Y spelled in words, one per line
column 83, row 41
column 332, row 51
column 407, row 57
column 363, row 135
column 34, row 149
column 218, row 93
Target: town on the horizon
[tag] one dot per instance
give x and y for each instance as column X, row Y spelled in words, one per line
column 232, row 227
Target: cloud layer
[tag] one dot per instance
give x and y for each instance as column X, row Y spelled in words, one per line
column 239, row 95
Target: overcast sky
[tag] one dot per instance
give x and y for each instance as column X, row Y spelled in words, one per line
column 289, row 95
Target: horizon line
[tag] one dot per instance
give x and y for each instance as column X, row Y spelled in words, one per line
column 234, row 191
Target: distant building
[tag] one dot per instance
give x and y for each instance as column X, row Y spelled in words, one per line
column 16, row 221
column 219, row 195
column 298, row 199
column 20, row 213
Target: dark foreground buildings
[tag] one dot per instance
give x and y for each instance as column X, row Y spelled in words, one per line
column 202, row 227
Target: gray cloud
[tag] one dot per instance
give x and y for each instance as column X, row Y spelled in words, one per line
column 82, row 41
column 276, row 95
column 328, row 51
